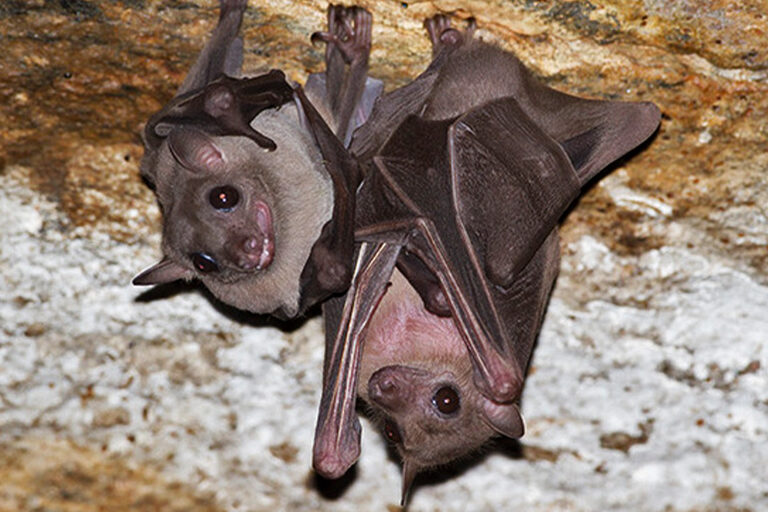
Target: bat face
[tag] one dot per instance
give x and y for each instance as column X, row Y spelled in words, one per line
column 240, row 218
column 417, row 377
column 431, row 416
column 257, row 191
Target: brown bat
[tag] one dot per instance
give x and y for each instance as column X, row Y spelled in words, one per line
column 257, row 192
column 467, row 171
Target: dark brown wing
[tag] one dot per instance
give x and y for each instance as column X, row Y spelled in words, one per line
column 223, row 106
column 329, row 268
column 478, row 197
column 593, row 133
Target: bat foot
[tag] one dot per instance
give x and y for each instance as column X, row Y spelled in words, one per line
column 349, row 30
column 443, row 35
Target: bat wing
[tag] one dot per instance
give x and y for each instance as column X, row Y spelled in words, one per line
column 223, row 54
column 593, row 133
column 337, row 433
column 476, row 197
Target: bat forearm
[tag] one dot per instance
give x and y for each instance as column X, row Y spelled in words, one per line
column 337, row 439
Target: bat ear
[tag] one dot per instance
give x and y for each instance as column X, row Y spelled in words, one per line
column 410, row 469
column 166, row 271
column 195, row 150
column 505, row 419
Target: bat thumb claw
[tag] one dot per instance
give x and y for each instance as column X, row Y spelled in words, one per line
column 332, row 467
column 505, row 419
column 330, row 461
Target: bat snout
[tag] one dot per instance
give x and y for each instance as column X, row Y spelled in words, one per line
column 395, row 387
column 256, row 250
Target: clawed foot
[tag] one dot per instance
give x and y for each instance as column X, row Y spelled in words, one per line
column 442, row 35
column 349, row 30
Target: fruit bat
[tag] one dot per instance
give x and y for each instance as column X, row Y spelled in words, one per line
column 255, row 185
column 466, row 173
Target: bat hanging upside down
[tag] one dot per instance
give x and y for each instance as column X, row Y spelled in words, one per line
column 424, row 220
column 467, row 171
column 257, row 191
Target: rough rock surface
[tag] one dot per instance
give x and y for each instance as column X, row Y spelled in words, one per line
column 648, row 389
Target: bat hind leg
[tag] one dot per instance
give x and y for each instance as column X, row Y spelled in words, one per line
column 443, row 35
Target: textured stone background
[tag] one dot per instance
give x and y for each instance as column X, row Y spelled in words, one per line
column 648, row 390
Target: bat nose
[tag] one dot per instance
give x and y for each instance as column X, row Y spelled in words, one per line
column 255, row 249
column 395, row 387
column 383, row 389
column 255, row 252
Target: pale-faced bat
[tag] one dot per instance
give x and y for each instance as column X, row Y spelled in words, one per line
column 257, row 192
column 467, row 171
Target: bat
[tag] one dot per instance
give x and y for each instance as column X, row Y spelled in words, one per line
column 466, row 173
column 256, row 188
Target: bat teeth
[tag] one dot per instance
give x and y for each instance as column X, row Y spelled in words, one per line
column 258, row 252
column 267, row 252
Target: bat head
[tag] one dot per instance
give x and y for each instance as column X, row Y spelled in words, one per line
column 417, row 378
column 436, row 416
column 239, row 217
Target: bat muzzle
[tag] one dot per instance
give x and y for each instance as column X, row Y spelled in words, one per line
column 256, row 250
column 395, row 387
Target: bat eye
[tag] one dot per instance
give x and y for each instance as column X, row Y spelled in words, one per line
column 204, row 263
column 224, row 198
column 446, row 400
column 392, row 432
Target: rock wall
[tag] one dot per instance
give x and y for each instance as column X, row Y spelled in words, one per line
column 648, row 389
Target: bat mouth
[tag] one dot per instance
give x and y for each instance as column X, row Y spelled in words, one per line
column 257, row 250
